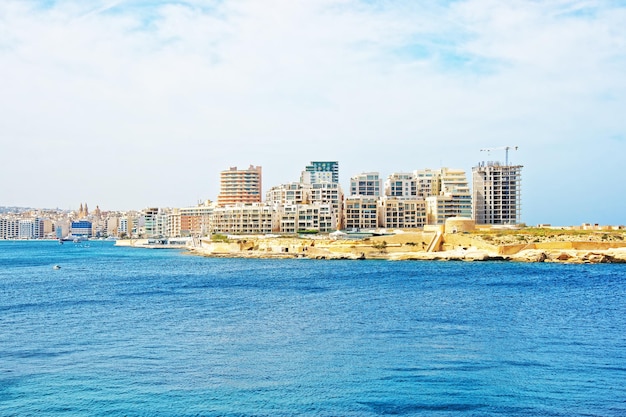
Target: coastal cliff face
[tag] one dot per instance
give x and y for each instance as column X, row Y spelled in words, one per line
column 519, row 246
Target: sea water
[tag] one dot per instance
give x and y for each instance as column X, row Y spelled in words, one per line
column 138, row 332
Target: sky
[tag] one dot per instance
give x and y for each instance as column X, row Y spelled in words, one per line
column 127, row 104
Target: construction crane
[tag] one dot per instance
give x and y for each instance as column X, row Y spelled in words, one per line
column 505, row 148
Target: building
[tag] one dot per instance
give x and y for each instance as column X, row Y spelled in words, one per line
column 320, row 171
column 366, row 184
column 329, row 193
column 296, row 218
column 401, row 185
column 402, row 213
column 496, row 193
column 155, row 222
column 240, row 186
column 453, row 198
column 82, row 228
column 361, row 213
column 9, row 228
column 426, row 182
column 191, row 221
column 292, row 193
column 243, row 219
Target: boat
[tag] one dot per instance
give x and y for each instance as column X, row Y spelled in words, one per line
column 75, row 239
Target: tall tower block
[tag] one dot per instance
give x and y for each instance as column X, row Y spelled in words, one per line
column 240, row 186
column 497, row 193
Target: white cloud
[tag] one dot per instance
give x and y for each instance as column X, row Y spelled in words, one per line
column 170, row 93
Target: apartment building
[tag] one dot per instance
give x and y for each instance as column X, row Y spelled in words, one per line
column 329, row 193
column 426, row 182
column 191, row 221
column 402, row 213
column 9, row 228
column 295, row 218
column 401, row 185
column 496, row 193
column 453, row 199
column 320, row 171
column 243, row 219
column 361, row 212
column 155, row 222
column 240, row 186
column 366, row 184
column 291, row 193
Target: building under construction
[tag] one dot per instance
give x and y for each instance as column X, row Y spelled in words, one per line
column 497, row 193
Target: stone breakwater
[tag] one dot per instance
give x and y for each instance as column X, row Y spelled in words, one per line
column 416, row 246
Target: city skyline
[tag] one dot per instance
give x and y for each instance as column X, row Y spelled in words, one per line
column 134, row 103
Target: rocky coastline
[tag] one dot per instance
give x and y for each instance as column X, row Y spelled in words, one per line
column 517, row 246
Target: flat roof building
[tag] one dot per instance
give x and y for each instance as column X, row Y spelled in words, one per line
column 240, row 186
column 496, row 193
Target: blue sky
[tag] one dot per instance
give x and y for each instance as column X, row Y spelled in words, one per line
column 133, row 103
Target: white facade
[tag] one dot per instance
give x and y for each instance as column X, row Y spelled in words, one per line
column 320, row 171
column 401, row 185
column 329, row 193
column 30, row 229
column 366, row 184
column 496, row 193
column 296, row 218
column 155, row 222
column 9, row 228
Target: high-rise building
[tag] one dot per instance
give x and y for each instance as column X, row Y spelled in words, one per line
column 496, row 193
column 240, row 186
column 320, row 171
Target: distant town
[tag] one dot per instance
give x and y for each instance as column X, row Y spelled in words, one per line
column 316, row 203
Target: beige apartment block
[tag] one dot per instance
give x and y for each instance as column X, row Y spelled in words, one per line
column 401, row 213
column 243, row 219
column 292, row 193
column 361, row 213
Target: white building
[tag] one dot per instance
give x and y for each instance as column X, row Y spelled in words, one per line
column 295, row 218
column 497, row 193
column 320, row 171
column 366, row 184
column 453, row 198
column 401, row 185
column 9, row 228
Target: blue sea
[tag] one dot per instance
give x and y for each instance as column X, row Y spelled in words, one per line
column 136, row 332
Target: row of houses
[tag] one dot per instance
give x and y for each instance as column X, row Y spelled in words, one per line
column 316, row 203
column 403, row 201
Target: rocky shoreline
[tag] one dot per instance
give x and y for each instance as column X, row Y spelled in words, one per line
column 417, row 247
column 531, row 255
